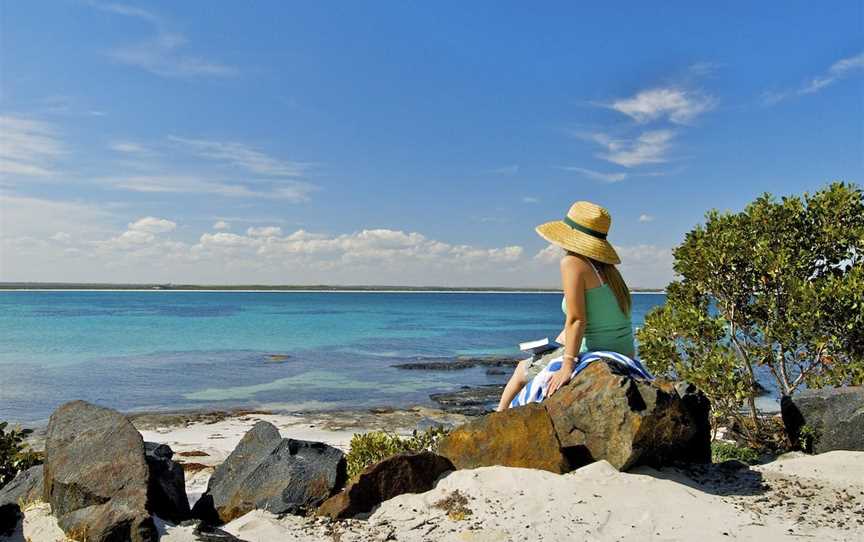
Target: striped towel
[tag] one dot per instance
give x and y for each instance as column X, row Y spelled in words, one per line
column 535, row 390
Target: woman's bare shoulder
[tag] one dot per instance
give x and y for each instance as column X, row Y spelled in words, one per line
column 574, row 263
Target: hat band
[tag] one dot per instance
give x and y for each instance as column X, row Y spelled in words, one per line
column 579, row 227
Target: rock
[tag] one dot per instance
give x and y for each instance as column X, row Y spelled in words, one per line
column 166, row 490
column 204, row 532
column 270, row 473
column 277, row 358
column 698, row 448
column 461, row 362
column 24, row 488
column 397, row 475
column 518, row 437
column 96, row 476
column 470, row 401
column 825, row 419
column 604, row 413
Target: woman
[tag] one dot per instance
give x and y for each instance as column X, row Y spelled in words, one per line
column 596, row 300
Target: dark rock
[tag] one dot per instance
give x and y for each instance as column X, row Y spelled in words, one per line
column 825, row 419
column 604, row 413
column 166, row 491
column 698, row 448
column 518, row 437
column 404, row 473
column 24, row 488
column 462, row 362
column 277, row 358
column 270, row 473
column 470, row 401
column 204, row 532
column 96, row 476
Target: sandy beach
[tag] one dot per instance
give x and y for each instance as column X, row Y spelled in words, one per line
column 794, row 497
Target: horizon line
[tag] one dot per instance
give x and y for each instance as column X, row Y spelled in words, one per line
column 147, row 286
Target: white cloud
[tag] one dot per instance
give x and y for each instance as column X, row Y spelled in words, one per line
column 242, row 156
column 264, row 231
column 28, row 147
column 646, row 218
column 550, row 254
column 530, row 199
column 128, row 147
column 645, row 266
column 150, row 224
column 839, row 70
column 221, row 225
column 40, row 218
column 292, row 191
column 67, row 241
column 164, row 52
column 597, row 175
column 842, row 69
column 675, row 104
column 650, row 147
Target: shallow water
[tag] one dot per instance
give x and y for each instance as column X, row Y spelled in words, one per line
column 184, row 349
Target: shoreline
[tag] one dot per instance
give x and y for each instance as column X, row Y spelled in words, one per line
column 307, row 291
column 788, row 497
column 400, row 420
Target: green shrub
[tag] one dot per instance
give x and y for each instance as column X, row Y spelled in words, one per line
column 15, row 454
column 370, row 448
column 808, row 438
column 724, row 451
column 779, row 286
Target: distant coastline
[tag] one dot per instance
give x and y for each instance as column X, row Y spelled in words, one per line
column 75, row 286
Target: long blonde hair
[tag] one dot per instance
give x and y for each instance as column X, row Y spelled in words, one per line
column 611, row 276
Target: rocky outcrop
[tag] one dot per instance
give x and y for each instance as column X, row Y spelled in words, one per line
column 470, row 400
column 825, row 419
column 270, row 473
column 166, row 489
column 461, row 362
column 397, row 475
column 518, row 437
column 24, row 488
column 607, row 414
column 96, row 476
column 604, row 413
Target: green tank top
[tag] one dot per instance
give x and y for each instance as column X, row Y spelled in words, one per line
column 608, row 328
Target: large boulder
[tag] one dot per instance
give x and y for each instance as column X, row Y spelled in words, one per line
column 24, row 488
column 825, row 419
column 96, row 477
column 603, row 413
column 404, row 473
column 607, row 414
column 519, row 437
column 270, row 473
column 166, row 489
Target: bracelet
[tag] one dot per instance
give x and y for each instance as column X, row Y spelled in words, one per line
column 571, row 356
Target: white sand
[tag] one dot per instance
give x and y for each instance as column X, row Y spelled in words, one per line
column 796, row 497
column 839, row 468
column 593, row 503
column 217, row 440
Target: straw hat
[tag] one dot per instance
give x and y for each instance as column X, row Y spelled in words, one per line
column 582, row 231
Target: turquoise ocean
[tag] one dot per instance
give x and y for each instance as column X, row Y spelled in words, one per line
column 167, row 350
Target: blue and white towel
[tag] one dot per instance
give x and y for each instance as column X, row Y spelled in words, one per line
column 535, row 390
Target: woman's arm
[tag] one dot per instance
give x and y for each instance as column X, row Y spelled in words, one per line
column 573, row 283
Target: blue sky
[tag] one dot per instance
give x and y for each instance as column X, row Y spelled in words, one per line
column 403, row 142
